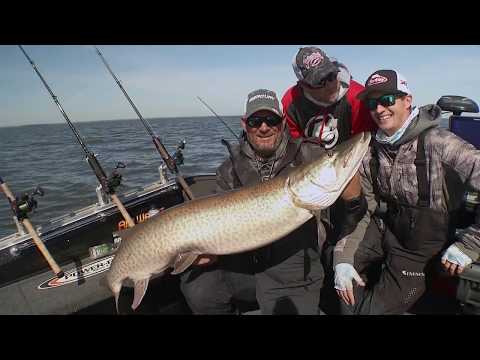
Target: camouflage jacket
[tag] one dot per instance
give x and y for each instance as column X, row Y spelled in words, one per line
column 447, row 155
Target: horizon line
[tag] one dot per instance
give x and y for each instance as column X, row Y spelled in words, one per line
column 123, row 119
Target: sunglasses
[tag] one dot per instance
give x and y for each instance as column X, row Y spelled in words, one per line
column 385, row 101
column 330, row 77
column 257, row 121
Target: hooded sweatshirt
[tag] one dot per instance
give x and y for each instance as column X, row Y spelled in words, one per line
column 447, row 156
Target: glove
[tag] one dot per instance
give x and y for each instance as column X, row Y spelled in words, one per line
column 344, row 274
column 454, row 255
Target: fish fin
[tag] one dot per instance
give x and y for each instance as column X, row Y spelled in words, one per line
column 139, row 291
column 183, row 261
column 115, row 290
column 116, row 294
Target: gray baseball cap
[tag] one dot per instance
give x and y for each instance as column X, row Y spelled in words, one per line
column 262, row 99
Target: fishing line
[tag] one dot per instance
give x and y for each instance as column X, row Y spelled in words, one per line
column 218, row 117
column 169, row 160
column 108, row 184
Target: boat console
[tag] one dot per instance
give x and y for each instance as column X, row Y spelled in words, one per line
column 468, row 128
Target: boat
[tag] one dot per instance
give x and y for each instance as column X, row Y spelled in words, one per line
column 80, row 246
column 83, row 243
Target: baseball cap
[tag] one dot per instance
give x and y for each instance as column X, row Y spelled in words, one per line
column 312, row 65
column 262, row 99
column 385, row 82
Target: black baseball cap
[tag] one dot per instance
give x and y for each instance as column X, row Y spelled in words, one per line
column 311, row 65
column 385, row 82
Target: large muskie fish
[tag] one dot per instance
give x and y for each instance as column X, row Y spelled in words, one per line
column 233, row 222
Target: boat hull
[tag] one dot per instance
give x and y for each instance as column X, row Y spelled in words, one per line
column 28, row 286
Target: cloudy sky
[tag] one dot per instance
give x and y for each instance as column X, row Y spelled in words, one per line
column 164, row 81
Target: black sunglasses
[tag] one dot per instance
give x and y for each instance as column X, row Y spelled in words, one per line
column 385, row 101
column 330, row 77
column 257, row 121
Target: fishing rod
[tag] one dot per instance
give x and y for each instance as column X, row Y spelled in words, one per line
column 170, row 161
column 108, row 184
column 218, row 117
column 20, row 208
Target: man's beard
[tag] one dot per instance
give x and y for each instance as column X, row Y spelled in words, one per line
column 263, row 150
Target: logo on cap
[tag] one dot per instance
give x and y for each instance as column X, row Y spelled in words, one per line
column 377, row 79
column 312, row 60
column 261, row 96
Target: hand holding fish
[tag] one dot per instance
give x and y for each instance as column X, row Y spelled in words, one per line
column 454, row 260
column 205, row 260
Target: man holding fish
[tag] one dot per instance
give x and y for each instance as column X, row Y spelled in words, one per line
column 285, row 277
column 272, row 190
column 414, row 179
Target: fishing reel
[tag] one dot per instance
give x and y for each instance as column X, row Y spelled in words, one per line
column 115, row 178
column 178, row 155
column 26, row 203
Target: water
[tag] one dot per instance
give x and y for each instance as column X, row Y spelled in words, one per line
column 50, row 156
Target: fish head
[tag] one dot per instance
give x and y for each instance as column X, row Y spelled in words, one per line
column 318, row 185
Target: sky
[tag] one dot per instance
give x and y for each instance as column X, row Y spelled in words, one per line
column 165, row 80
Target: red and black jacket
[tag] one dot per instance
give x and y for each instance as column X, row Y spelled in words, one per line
column 353, row 116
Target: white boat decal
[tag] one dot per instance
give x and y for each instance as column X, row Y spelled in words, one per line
column 72, row 276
